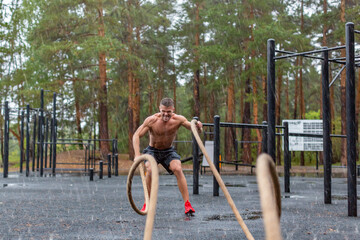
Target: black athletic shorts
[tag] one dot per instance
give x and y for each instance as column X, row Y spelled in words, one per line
column 163, row 156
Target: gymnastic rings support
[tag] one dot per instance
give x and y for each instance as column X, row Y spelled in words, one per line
column 150, row 203
column 269, row 189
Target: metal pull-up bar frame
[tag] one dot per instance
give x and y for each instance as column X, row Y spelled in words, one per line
column 350, row 109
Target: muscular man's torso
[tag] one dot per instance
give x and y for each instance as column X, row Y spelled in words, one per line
column 162, row 134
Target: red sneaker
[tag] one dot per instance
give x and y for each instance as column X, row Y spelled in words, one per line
column 188, row 208
column 143, row 208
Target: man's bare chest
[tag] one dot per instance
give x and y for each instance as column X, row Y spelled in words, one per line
column 160, row 129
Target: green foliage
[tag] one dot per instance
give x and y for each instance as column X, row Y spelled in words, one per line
column 313, row 114
column 55, row 45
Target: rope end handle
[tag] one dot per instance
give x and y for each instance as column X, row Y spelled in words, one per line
column 196, row 122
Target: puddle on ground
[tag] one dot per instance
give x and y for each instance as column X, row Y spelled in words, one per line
column 235, row 185
column 292, row 196
column 342, row 197
column 245, row 216
column 5, row 185
column 175, row 185
column 315, row 175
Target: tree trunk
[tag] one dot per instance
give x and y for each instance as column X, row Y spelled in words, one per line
column 205, row 101
column 1, row 138
column 357, row 111
column 246, row 132
column 296, row 95
column 287, row 103
column 174, row 86
column 78, row 116
column 256, row 113
column 136, row 84
column 254, row 85
column 302, row 106
column 229, row 132
column 343, row 93
column 332, row 106
column 103, row 129
column 277, row 113
column 151, row 99
column 130, row 79
column 160, row 86
column 264, row 87
column 196, row 87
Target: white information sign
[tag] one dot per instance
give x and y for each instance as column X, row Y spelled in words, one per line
column 305, row 143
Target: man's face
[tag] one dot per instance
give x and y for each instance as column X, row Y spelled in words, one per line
column 166, row 112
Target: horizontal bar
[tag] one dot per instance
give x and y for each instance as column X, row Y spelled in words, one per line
column 242, row 125
column 248, row 141
column 338, row 136
column 69, row 139
column 310, row 52
column 344, row 58
column 357, row 31
column 65, row 143
column 69, row 163
column 282, row 51
column 314, row 135
column 238, row 164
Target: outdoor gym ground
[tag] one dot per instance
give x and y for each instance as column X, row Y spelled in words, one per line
column 72, row 207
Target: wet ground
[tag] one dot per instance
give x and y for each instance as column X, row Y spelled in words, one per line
column 72, row 207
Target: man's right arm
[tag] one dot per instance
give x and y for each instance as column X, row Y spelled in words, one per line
column 141, row 131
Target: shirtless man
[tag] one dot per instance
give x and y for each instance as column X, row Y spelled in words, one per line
column 162, row 128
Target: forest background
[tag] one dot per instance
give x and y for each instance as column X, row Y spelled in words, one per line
column 112, row 61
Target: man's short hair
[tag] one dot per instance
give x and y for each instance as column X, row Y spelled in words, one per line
column 167, row 102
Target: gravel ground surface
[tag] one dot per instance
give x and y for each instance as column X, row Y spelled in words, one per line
column 72, row 207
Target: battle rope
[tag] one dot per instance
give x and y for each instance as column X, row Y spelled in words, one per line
column 269, row 189
column 220, row 181
column 270, row 197
column 150, row 204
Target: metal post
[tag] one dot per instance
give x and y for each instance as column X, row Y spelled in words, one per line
column 236, row 149
column 46, row 140
column 27, row 140
column 34, row 143
column 41, row 139
column 317, row 160
column 85, row 158
column 113, row 155
column 116, row 165
column 116, row 159
column 55, row 147
column 109, row 165
column 271, row 97
column 91, row 174
column 22, row 141
column 6, row 140
column 89, row 154
column 54, row 135
column 195, row 153
column 287, row 158
column 101, row 169
column 216, row 152
column 38, row 143
column 264, row 138
column 326, row 127
column 51, row 139
column 350, row 120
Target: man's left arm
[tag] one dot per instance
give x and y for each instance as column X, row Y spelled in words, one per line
column 187, row 124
